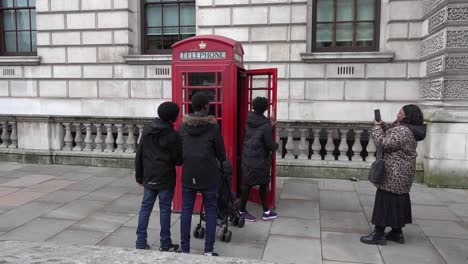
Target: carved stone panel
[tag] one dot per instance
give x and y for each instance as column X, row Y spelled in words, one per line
column 431, row 89
column 457, row 38
column 433, row 44
column 456, row 64
column 437, row 19
column 435, row 65
column 455, row 89
column 458, row 14
column 429, row 5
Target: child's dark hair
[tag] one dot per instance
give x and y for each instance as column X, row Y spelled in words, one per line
column 199, row 100
column 260, row 104
column 168, row 111
column 413, row 115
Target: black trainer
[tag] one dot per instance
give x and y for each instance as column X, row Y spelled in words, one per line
column 396, row 237
column 172, row 248
column 374, row 239
column 147, row 247
column 214, row 254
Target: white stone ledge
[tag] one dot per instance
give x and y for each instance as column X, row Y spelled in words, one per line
column 34, row 252
column 19, row 60
column 342, row 57
column 148, row 59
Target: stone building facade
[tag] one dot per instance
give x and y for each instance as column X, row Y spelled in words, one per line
column 92, row 60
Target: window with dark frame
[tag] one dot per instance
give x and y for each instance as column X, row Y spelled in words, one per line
column 18, row 27
column 346, row 25
column 166, row 22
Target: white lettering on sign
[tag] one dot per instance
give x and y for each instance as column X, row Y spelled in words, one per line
column 202, row 55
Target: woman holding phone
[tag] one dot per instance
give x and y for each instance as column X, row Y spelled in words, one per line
column 397, row 143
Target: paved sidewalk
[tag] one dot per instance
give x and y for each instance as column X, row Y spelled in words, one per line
column 320, row 220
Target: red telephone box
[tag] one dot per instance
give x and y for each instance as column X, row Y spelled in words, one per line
column 214, row 64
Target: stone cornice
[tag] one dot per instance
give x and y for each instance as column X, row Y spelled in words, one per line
column 19, row 60
column 345, row 57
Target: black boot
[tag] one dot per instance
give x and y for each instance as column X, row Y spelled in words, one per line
column 395, row 235
column 375, row 238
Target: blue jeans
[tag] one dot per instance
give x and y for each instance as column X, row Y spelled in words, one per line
column 188, row 202
column 165, row 201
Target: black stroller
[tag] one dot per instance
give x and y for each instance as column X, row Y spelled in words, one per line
column 227, row 209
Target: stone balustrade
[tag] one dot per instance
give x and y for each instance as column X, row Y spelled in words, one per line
column 9, row 135
column 315, row 149
column 348, row 142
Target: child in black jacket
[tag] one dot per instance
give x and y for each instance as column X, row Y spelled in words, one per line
column 159, row 152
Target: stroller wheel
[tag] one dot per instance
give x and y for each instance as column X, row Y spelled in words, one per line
column 241, row 222
column 235, row 220
column 227, row 235
column 201, row 233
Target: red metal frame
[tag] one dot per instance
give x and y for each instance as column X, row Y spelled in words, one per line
column 234, row 103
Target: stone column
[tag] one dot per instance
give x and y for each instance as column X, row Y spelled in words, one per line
column 444, row 92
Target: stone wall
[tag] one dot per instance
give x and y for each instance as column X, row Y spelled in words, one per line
column 278, row 36
column 82, row 46
column 84, row 71
column 444, row 91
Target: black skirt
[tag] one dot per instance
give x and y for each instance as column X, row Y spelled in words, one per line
column 391, row 210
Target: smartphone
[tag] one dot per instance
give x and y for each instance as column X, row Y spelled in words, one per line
column 377, row 115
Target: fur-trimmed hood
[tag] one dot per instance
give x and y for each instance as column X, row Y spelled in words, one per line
column 198, row 123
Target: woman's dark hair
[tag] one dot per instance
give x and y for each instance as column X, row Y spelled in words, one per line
column 199, row 100
column 260, row 104
column 413, row 115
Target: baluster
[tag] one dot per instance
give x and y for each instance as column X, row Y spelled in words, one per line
column 98, row 141
column 303, row 144
column 371, row 148
column 68, row 139
column 290, row 145
column 120, row 139
column 140, row 132
column 357, row 147
column 316, row 147
column 5, row 136
column 130, row 140
column 330, row 147
column 343, row 148
column 78, row 138
column 109, row 139
column 14, row 135
column 279, row 151
column 88, row 139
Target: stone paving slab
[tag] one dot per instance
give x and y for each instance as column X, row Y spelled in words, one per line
column 339, row 201
column 346, row 247
column 299, row 209
column 76, row 210
column 433, row 228
column 299, row 191
column 91, row 184
column 21, row 215
column 19, row 198
column 38, row 230
column 104, row 222
column 296, row 227
column 106, row 194
column 293, row 250
column 336, row 185
column 452, row 250
column 27, row 181
column 433, row 213
column 347, row 222
column 63, row 196
column 78, row 237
